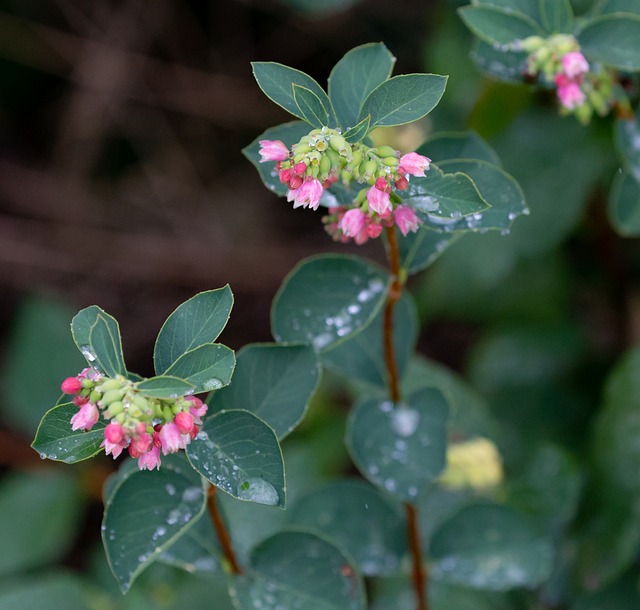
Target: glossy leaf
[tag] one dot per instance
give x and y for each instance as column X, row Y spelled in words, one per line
column 497, row 25
column 360, row 520
column 326, row 299
column 359, row 131
column 556, row 16
column 55, row 591
column 275, row 382
column 362, row 356
column 624, row 205
column 530, row 8
column 488, row 546
column 618, row 6
column 614, row 40
column 289, row 134
column 55, row 440
column 197, row 321
column 145, row 514
column 40, row 512
column 358, row 73
column 442, row 199
column 277, row 82
column 401, row 449
column 296, row 569
column 97, row 336
column 403, row 99
column 310, row 106
column 509, row 66
column 165, row 386
column 627, row 139
column 419, row 250
column 207, row 367
column 496, row 187
column 240, row 455
column 444, row 146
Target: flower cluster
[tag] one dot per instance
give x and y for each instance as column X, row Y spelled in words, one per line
column 324, row 157
column 474, row 464
column 581, row 89
column 143, row 425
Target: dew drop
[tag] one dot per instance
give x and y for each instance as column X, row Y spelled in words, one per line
column 212, row 384
column 88, row 352
column 404, row 421
column 258, row 490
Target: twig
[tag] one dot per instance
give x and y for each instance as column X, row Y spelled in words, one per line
column 223, row 534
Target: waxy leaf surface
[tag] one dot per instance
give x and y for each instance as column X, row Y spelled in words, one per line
column 207, row 367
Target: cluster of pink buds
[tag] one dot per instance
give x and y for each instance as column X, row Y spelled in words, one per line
column 143, row 425
column 581, row 89
column 323, row 157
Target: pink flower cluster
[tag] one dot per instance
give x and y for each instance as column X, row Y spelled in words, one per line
column 142, row 425
column 570, row 79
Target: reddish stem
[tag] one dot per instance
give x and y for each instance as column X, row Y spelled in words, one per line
column 419, row 575
column 221, row 529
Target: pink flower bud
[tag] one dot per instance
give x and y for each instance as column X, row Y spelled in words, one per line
column 149, row 459
column 71, row 385
column 273, row 150
column 571, row 96
column 114, row 433
column 414, row 164
column 300, row 168
column 374, row 230
column 86, row 417
column 352, row 222
column 402, row 184
column 295, row 182
column 574, row 64
column 406, row 219
column 79, row 400
column 378, row 200
column 142, row 442
column 383, row 185
column 285, row 175
column 184, row 422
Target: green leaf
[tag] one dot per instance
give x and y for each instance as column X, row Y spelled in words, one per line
column 97, row 336
column 326, row 299
column 359, row 131
column 498, row 188
column 197, row 321
column 499, row 26
column 356, row 75
column 618, row 6
column 275, row 382
column 54, row 591
column 277, row 82
column 508, row 66
column 556, row 16
column 146, row 513
column 419, row 250
column 487, row 546
column 362, row 356
column 403, row 99
column 40, row 328
column 289, row 134
column 295, row 569
column 165, row 386
column 444, row 146
column 240, row 454
column 207, row 367
column 627, row 141
column 530, row 8
column 40, row 515
column 614, row 40
column 624, row 205
column 400, row 449
column 310, row 106
column 441, row 200
column 55, row 440
column 360, row 520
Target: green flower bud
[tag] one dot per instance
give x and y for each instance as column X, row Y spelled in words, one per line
column 115, row 408
column 339, row 144
column 133, row 411
column 94, row 396
column 121, row 418
column 321, row 145
column 87, row 383
column 387, row 151
column 390, row 161
column 175, row 408
column 301, row 149
column 325, row 166
column 167, row 413
column 333, row 157
column 110, row 384
column 367, row 169
column 111, row 396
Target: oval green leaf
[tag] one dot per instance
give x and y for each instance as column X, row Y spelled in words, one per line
column 165, row 386
column 360, row 520
column 627, row 141
column 240, row 454
column 275, row 382
column 614, row 40
column 207, row 367
column 197, row 321
column 403, row 99
column 146, row 513
column 624, row 205
column 419, row 250
column 326, row 299
column 356, row 75
column 359, row 131
column 97, row 336
column 497, row 25
column 296, row 569
column 556, row 16
column 487, row 546
column 55, row 440
column 310, row 106
column 400, row 449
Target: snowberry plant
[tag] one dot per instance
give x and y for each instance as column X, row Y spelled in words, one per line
column 205, row 422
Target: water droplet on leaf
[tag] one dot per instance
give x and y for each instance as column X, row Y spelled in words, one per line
column 258, row 490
